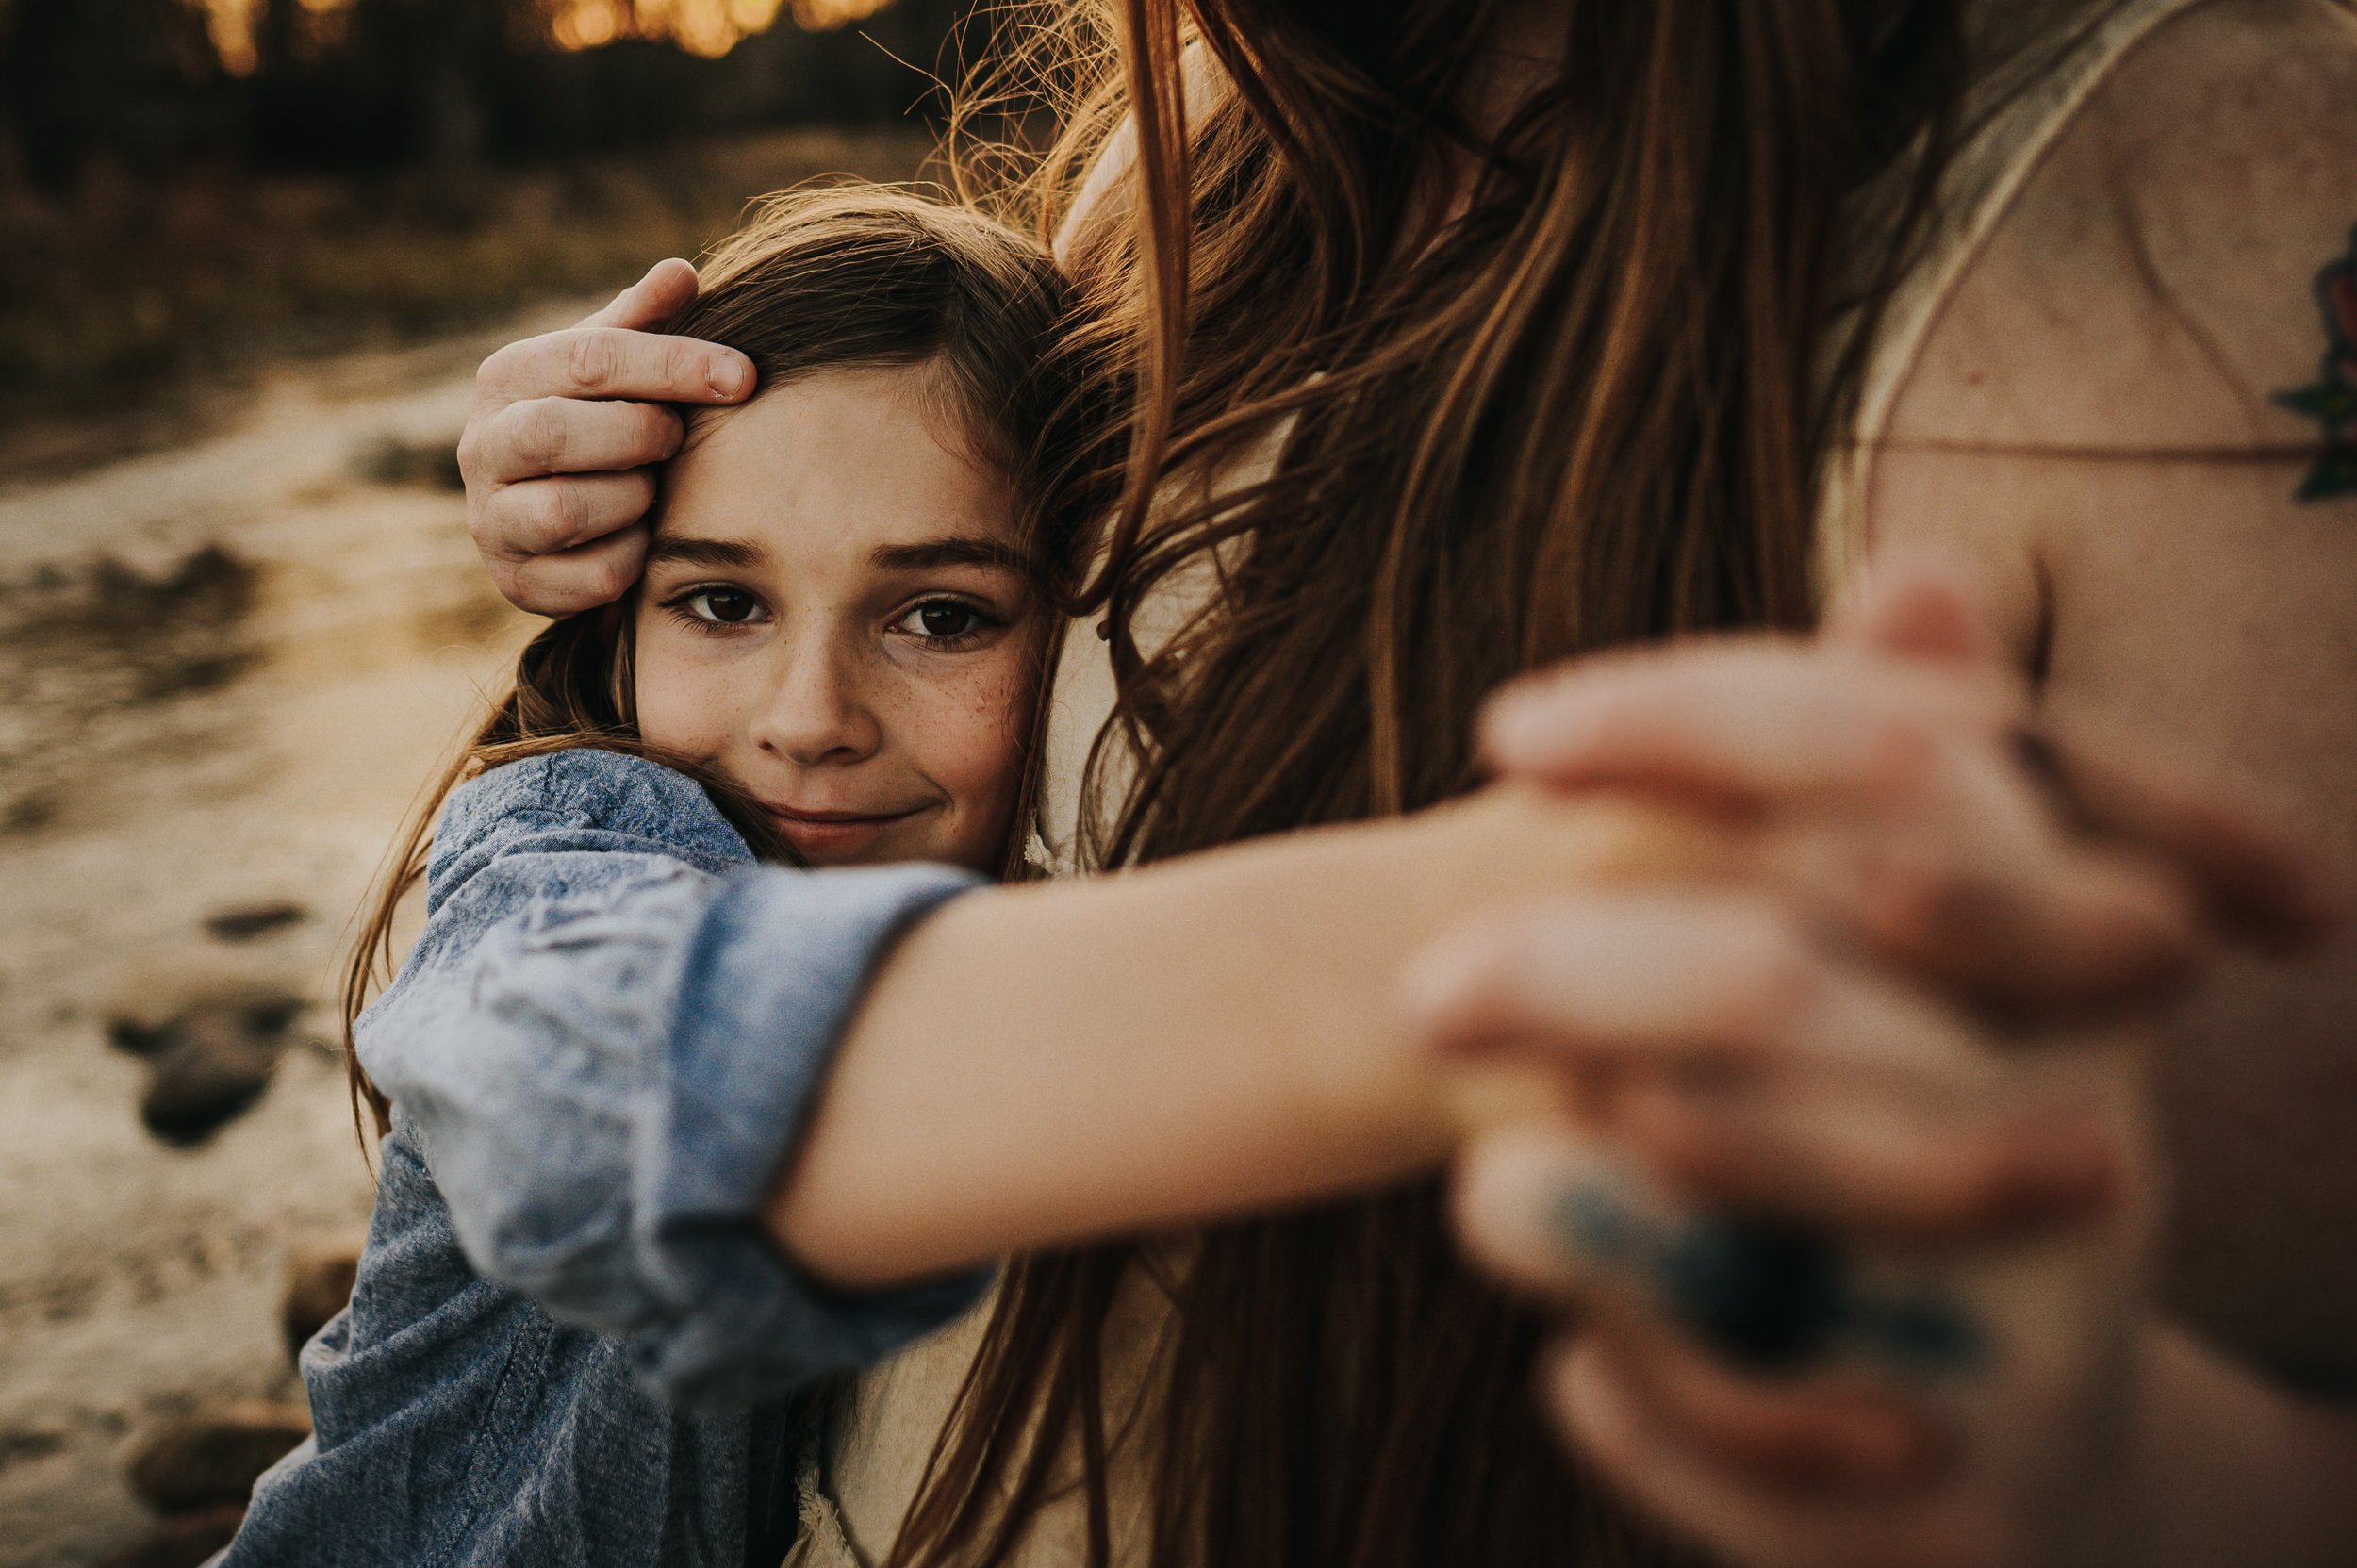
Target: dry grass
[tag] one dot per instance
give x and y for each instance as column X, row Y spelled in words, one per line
column 120, row 305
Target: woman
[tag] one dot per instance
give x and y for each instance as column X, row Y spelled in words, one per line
column 1617, row 321
column 2117, row 416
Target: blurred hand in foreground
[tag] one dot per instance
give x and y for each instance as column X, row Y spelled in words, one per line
column 1859, row 1268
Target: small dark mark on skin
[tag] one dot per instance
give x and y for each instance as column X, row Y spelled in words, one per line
column 2332, row 403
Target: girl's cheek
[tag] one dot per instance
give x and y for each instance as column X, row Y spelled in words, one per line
column 987, row 715
column 680, row 704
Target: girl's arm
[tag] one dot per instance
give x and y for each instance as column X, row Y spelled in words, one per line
column 1045, row 1064
column 1053, row 1062
column 605, row 1043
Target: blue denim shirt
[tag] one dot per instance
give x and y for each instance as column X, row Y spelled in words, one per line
column 567, row 1316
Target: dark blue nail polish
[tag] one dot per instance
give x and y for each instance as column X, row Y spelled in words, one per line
column 1769, row 1298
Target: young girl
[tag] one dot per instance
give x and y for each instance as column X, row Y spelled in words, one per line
column 833, row 652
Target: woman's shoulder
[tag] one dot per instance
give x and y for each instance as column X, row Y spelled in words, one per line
column 584, row 799
column 2153, row 285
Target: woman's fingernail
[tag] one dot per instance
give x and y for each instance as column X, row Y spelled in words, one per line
column 1766, row 1296
column 1591, row 1223
column 727, row 375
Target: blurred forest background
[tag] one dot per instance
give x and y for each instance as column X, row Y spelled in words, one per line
column 188, row 185
column 251, row 253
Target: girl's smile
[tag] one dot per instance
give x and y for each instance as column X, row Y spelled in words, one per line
column 835, row 613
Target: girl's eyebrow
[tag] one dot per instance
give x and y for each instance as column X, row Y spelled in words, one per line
column 670, row 549
column 954, row 551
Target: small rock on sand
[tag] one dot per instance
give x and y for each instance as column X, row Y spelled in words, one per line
column 213, row 1065
column 247, row 921
column 319, row 1283
column 210, row 1459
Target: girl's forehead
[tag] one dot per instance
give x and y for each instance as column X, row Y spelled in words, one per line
column 839, row 459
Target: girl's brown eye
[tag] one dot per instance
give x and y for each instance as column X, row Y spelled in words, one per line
column 729, row 606
column 947, row 618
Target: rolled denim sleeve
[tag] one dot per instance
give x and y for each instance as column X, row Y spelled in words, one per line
column 608, row 1040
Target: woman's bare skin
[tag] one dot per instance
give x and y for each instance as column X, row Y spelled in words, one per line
column 2098, row 426
column 2093, row 427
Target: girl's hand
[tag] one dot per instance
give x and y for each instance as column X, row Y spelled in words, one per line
column 557, row 451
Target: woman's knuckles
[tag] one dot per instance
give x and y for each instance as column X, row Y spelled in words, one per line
column 593, row 362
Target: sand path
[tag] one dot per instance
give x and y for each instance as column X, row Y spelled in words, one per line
column 177, row 739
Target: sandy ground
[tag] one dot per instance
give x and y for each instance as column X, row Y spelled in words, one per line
column 178, row 739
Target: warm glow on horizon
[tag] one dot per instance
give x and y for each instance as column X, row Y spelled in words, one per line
column 701, row 27
column 709, row 28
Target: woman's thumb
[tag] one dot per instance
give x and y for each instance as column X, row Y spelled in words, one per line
column 646, row 305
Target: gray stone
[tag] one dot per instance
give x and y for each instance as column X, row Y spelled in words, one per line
column 210, row 1459
column 209, row 1070
column 319, row 1283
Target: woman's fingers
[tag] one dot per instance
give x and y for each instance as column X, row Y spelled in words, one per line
column 1543, row 1206
column 1746, row 721
column 614, row 362
column 668, row 287
column 540, row 437
column 2253, row 883
column 562, row 429
column 1878, row 1166
column 1755, row 1066
column 1690, row 1484
column 546, row 517
column 1819, row 1435
column 573, row 580
column 2068, row 932
column 1916, row 609
column 1696, row 977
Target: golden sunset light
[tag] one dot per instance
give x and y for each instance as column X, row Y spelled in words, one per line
column 709, row 28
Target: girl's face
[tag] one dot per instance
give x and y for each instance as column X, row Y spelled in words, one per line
column 834, row 613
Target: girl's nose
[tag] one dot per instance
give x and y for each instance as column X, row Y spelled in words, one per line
column 816, row 713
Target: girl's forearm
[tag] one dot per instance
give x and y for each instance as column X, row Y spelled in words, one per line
column 1051, row 1063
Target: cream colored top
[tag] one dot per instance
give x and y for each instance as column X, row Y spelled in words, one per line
column 873, row 1464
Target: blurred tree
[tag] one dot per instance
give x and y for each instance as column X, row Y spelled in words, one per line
column 278, row 36
column 374, row 86
column 447, row 53
column 135, row 81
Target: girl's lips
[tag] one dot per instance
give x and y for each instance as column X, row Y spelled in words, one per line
column 834, row 832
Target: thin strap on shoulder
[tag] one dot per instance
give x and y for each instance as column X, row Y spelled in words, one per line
column 2052, row 57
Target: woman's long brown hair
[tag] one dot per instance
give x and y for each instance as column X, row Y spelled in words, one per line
column 823, row 279
column 1591, row 408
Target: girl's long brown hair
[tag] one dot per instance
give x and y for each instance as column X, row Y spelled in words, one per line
column 824, row 278
column 1588, row 410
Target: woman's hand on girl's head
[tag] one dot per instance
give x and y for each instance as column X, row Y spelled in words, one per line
column 558, row 449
